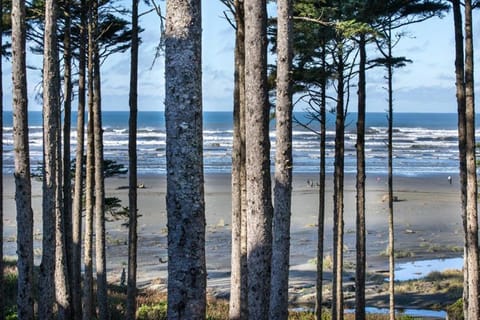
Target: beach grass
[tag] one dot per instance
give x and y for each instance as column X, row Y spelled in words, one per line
column 152, row 304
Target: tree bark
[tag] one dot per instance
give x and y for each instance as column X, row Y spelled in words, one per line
column 100, row 253
column 391, row 238
column 184, row 150
column 321, row 191
column 283, row 164
column 472, row 214
column 360, row 222
column 88, row 311
column 76, row 288
column 51, row 129
column 62, row 289
column 259, row 202
column 67, row 127
column 132, row 157
column 238, row 307
column 2, row 286
column 23, row 191
column 88, row 306
column 460, row 93
column 63, row 223
column 337, row 303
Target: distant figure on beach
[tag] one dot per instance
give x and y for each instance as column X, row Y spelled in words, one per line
column 449, row 179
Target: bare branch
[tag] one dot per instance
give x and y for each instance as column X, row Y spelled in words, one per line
column 321, row 22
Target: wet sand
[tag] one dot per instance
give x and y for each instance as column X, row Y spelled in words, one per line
column 427, row 226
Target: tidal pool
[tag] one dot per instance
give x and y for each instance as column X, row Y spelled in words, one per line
column 411, row 271
column 418, row 269
column 408, row 312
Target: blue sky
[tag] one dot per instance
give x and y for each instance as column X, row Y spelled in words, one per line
column 426, row 85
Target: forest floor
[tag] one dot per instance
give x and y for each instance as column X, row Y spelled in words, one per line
column 427, row 226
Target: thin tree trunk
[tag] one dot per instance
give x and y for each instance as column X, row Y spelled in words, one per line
column 472, row 214
column 238, row 287
column 100, row 253
column 259, row 202
column 337, row 303
column 88, row 306
column 460, row 93
column 243, row 227
column 391, row 239
column 2, row 286
column 185, row 181
column 62, row 290
column 76, row 288
column 51, row 129
column 321, row 191
column 360, row 223
column 67, row 127
column 132, row 157
column 63, row 223
column 23, row 191
column 283, row 164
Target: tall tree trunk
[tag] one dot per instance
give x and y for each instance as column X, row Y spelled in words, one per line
column 132, row 157
column 472, row 214
column 337, row 303
column 51, row 129
column 88, row 311
column 283, row 164
column 88, row 306
column 185, row 181
column 63, row 224
column 391, row 239
column 100, row 253
column 2, row 286
column 360, row 223
column 62, row 289
column 239, row 282
column 23, row 189
column 67, row 126
column 76, row 288
column 460, row 93
column 259, row 202
column 321, row 191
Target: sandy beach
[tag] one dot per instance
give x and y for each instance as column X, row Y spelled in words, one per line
column 427, row 225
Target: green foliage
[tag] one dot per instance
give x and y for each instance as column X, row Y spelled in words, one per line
column 114, row 208
column 114, row 30
column 401, row 12
column 113, row 205
column 11, row 313
column 10, row 282
column 312, row 8
column 455, row 311
column 110, row 168
column 217, row 309
column 351, row 28
column 395, row 62
column 152, row 312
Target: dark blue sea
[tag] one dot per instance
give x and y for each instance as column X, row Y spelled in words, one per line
column 424, row 143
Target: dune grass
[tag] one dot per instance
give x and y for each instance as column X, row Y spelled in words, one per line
column 152, row 304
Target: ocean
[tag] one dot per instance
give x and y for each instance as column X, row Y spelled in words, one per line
column 424, row 143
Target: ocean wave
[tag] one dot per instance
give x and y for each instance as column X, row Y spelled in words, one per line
column 416, row 149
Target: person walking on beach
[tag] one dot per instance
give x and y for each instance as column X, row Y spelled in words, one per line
column 449, row 179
